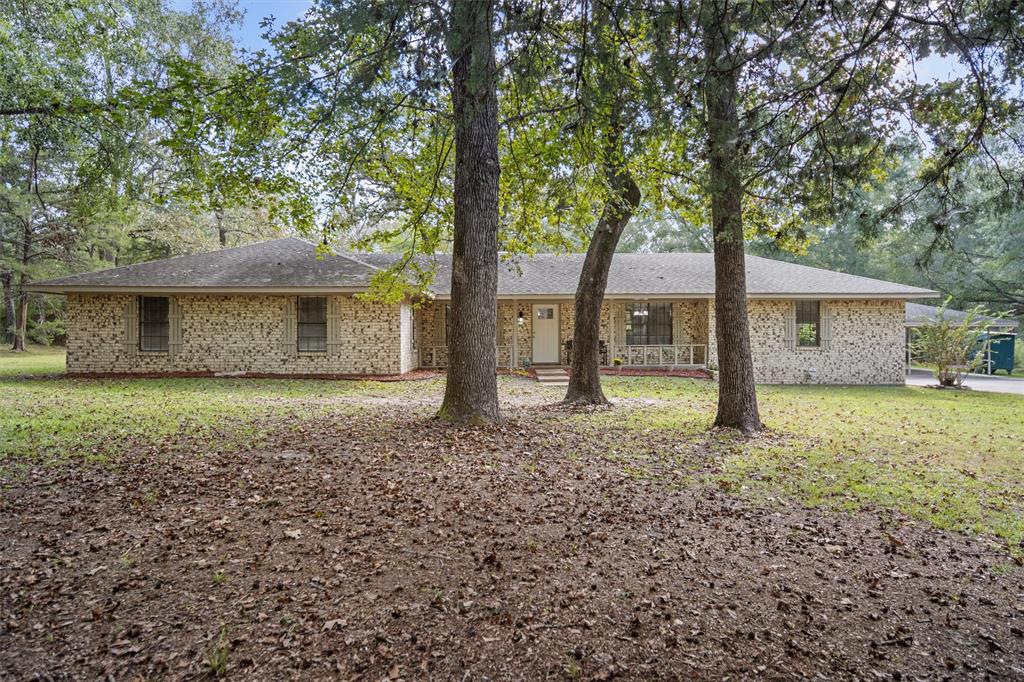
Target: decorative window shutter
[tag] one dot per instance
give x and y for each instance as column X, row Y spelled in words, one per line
column 439, row 321
column 289, row 342
column 131, row 326
column 497, row 326
column 790, row 332
column 333, row 325
column 826, row 326
column 173, row 327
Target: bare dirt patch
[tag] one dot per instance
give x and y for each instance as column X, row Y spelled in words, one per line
column 384, row 545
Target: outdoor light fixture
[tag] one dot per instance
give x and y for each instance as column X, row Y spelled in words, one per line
column 519, row 317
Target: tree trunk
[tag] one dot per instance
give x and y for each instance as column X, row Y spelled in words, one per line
column 471, row 390
column 737, row 398
column 624, row 197
column 7, row 282
column 21, row 317
column 41, row 313
column 222, row 234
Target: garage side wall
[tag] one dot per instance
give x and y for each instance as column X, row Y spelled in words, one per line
column 240, row 334
column 866, row 346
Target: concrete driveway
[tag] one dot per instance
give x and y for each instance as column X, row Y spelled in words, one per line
column 976, row 382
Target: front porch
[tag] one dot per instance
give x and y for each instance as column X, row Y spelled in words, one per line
column 645, row 334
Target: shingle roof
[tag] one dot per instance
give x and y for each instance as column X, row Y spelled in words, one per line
column 917, row 314
column 291, row 264
column 667, row 274
column 282, row 263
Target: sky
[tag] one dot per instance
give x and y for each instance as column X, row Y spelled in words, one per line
column 283, row 11
column 248, row 34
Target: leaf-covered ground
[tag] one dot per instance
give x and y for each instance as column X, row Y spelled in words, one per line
column 310, row 530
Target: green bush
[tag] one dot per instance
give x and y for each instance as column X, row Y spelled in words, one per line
column 952, row 347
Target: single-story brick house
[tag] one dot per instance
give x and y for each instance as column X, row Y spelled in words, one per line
column 275, row 308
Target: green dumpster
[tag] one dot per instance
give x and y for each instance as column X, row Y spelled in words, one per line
column 998, row 349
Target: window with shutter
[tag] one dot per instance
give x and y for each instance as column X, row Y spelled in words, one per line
column 312, row 315
column 808, row 324
column 154, row 324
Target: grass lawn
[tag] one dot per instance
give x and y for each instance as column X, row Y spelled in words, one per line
column 951, row 458
column 37, row 360
column 305, row 511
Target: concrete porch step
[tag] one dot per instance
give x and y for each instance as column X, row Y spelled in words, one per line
column 552, row 376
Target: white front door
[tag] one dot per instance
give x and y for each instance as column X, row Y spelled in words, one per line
column 545, row 333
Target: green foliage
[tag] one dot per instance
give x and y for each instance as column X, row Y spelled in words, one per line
column 84, row 180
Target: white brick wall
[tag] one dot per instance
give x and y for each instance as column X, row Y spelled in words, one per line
column 239, row 333
column 867, row 344
column 244, row 333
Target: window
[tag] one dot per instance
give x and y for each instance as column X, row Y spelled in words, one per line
column 153, row 324
column 808, row 324
column 312, row 324
column 648, row 324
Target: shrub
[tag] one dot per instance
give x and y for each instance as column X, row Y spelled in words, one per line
column 953, row 348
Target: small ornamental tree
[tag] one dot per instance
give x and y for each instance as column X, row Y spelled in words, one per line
column 955, row 348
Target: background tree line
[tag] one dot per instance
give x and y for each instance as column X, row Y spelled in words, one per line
column 495, row 129
column 84, row 181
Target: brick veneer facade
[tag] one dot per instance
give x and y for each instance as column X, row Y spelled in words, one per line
column 867, row 344
column 227, row 333
column 222, row 333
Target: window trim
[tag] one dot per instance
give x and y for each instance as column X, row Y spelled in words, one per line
column 817, row 345
column 628, row 310
column 166, row 335
column 299, row 324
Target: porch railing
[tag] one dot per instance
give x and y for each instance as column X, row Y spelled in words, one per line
column 682, row 354
column 675, row 355
column 437, row 356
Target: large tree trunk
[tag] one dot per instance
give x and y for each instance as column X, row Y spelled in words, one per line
column 624, row 197
column 737, row 398
column 471, row 391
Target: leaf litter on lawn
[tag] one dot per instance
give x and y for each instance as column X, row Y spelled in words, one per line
column 384, row 545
